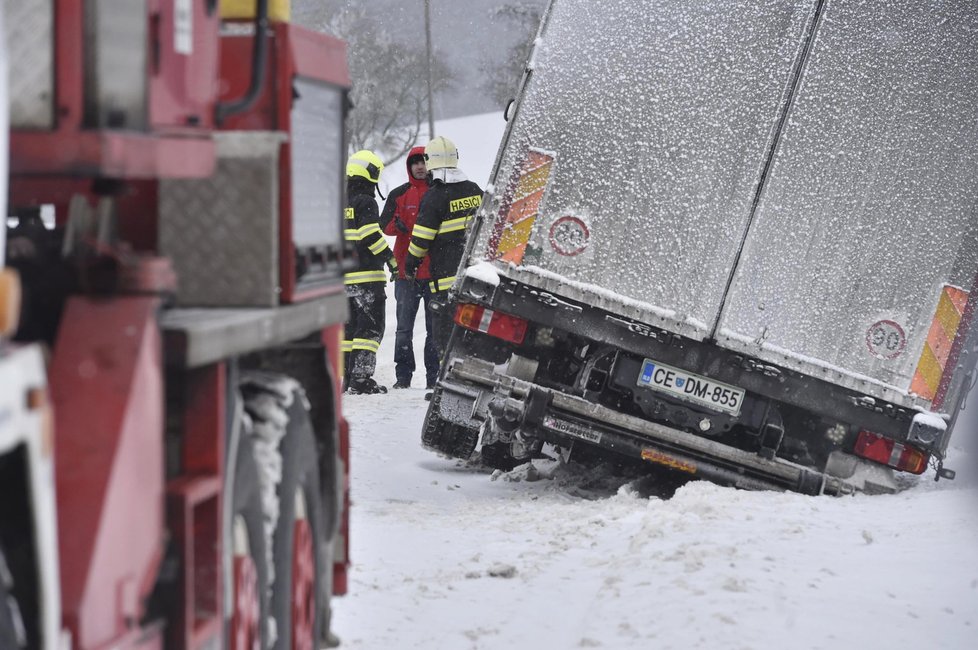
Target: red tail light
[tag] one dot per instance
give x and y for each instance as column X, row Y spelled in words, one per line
column 502, row 326
column 875, row 447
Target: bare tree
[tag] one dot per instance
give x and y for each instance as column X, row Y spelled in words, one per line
column 389, row 80
column 502, row 78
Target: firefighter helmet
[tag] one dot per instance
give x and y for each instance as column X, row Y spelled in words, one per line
column 440, row 153
column 365, row 164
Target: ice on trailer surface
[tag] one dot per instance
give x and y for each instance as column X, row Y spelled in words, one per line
column 484, row 272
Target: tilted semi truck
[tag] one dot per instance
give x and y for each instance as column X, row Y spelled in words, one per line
column 736, row 240
column 173, row 451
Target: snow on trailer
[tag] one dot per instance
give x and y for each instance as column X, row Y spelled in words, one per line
column 753, row 227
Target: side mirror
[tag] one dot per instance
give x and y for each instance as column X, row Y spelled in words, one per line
column 507, row 112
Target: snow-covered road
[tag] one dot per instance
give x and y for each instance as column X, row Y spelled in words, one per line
column 447, row 555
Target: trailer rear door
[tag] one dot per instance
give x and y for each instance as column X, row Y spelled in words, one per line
column 630, row 168
column 862, row 255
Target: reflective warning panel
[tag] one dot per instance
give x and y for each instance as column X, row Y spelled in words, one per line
column 521, row 207
column 940, row 340
column 655, row 456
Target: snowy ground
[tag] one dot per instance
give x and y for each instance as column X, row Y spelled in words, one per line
column 448, row 555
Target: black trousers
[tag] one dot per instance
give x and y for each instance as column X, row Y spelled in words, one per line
column 442, row 322
column 364, row 329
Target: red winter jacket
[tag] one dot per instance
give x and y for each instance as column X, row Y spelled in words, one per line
column 399, row 215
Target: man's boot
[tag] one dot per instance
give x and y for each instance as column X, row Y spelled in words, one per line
column 365, row 386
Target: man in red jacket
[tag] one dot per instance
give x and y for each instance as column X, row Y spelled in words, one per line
column 397, row 219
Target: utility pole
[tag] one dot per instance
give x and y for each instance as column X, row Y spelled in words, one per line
column 427, row 35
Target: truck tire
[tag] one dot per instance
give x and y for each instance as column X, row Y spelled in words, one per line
column 498, row 456
column 301, row 550
column 302, row 556
column 447, row 437
column 248, row 562
column 507, row 456
column 12, row 632
column 11, row 625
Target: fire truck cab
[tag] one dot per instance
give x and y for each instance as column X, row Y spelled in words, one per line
column 173, row 451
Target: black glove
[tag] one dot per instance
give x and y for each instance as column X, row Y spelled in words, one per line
column 400, row 225
column 411, row 264
column 392, row 265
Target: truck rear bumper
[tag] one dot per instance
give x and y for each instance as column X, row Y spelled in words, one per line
column 470, row 385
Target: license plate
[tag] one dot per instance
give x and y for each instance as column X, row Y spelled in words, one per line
column 690, row 387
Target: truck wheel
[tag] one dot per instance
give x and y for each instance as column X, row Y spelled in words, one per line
column 447, row 437
column 510, row 455
column 301, row 550
column 498, row 456
column 302, row 556
column 249, row 573
column 12, row 631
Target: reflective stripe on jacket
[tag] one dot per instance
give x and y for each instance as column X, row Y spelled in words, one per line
column 362, row 229
column 439, row 233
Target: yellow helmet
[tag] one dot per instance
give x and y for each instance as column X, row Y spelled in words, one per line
column 440, row 153
column 366, row 164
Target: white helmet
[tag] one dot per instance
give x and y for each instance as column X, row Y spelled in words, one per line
column 440, row 153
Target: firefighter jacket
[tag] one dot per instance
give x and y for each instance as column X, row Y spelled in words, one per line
column 439, row 232
column 363, row 230
column 400, row 213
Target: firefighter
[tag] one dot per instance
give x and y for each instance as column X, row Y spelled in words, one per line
column 366, row 286
column 398, row 217
column 439, row 232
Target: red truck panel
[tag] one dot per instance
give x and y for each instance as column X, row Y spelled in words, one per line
column 107, row 389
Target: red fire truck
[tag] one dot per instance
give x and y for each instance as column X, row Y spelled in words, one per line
column 173, row 454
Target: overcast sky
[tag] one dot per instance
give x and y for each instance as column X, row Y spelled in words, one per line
column 461, row 31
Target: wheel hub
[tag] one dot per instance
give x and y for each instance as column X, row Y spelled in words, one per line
column 303, row 587
column 245, row 619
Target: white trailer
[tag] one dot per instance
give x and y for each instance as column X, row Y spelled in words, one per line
column 737, row 240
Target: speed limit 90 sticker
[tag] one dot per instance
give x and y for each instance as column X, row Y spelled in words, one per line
column 886, row 339
column 569, row 236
